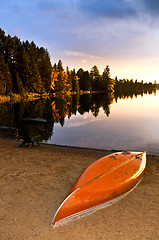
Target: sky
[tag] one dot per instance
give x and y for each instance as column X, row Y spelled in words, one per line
column 123, row 34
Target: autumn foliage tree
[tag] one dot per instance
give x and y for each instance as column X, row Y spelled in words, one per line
column 54, row 79
column 60, row 80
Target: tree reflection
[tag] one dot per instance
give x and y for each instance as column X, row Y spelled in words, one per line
column 56, row 110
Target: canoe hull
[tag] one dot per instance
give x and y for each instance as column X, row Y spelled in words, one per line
column 101, row 183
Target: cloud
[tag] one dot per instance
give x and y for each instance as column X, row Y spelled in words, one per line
column 119, row 9
column 80, row 54
column 108, row 9
column 151, row 7
column 90, row 8
column 55, row 5
column 67, row 14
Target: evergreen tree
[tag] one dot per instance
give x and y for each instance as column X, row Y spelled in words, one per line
column 2, row 76
column 60, row 66
column 2, row 41
column 95, row 78
column 36, row 83
column 19, row 84
column 2, row 85
column 29, row 66
column 87, row 81
column 5, row 77
column 107, row 82
column 24, row 70
column 8, row 80
column 14, row 64
column 74, row 81
column 84, row 80
column 44, row 67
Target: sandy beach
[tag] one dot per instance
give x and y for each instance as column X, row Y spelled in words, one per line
column 34, row 181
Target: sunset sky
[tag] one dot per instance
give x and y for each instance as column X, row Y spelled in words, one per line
column 123, row 34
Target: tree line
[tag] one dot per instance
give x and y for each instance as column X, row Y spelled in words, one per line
column 70, row 80
column 26, row 68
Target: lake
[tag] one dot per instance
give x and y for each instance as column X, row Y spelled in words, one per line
column 133, row 124
column 100, row 121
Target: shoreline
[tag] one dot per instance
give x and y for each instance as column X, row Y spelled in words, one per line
column 34, row 181
column 100, row 149
column 83, row 148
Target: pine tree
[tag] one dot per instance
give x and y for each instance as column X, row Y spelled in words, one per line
column 5, row 77
column 44, row 67
column 2, row 84
column 24, row 70
column 95, row 78
column 29, row 66
column 19, row 84
column 84, row 80
column 60, row 66
column 8, row 80
column 107, row 82
column 2, row 41
column 36, row 83
column 74, row 81
column 87, row 81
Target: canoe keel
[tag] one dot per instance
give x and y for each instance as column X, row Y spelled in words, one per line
column 102, row 183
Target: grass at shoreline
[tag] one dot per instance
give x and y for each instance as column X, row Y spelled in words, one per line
column 34, row 96
column 4, row 99
column 17, row 97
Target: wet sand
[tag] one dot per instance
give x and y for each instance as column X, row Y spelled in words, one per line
column 34, row 181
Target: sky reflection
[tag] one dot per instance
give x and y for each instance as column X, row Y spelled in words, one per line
column 132, row 125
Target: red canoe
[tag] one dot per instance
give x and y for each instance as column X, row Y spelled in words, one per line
column 103, row 182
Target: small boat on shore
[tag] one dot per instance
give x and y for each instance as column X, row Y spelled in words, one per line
column 103, row 182
column 33, row 120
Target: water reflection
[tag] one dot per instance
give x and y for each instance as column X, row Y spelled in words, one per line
column 104, row 121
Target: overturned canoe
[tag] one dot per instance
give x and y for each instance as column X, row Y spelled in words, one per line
column 103, row 182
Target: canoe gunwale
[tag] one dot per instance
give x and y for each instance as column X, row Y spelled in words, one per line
column 70, row 217
column 63, row 204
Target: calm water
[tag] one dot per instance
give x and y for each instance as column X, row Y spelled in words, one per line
column 133, row 124
column 90, row 121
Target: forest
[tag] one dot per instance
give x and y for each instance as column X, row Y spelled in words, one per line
column 26, row 68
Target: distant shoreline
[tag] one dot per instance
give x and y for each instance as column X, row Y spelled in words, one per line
column 35, row 96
